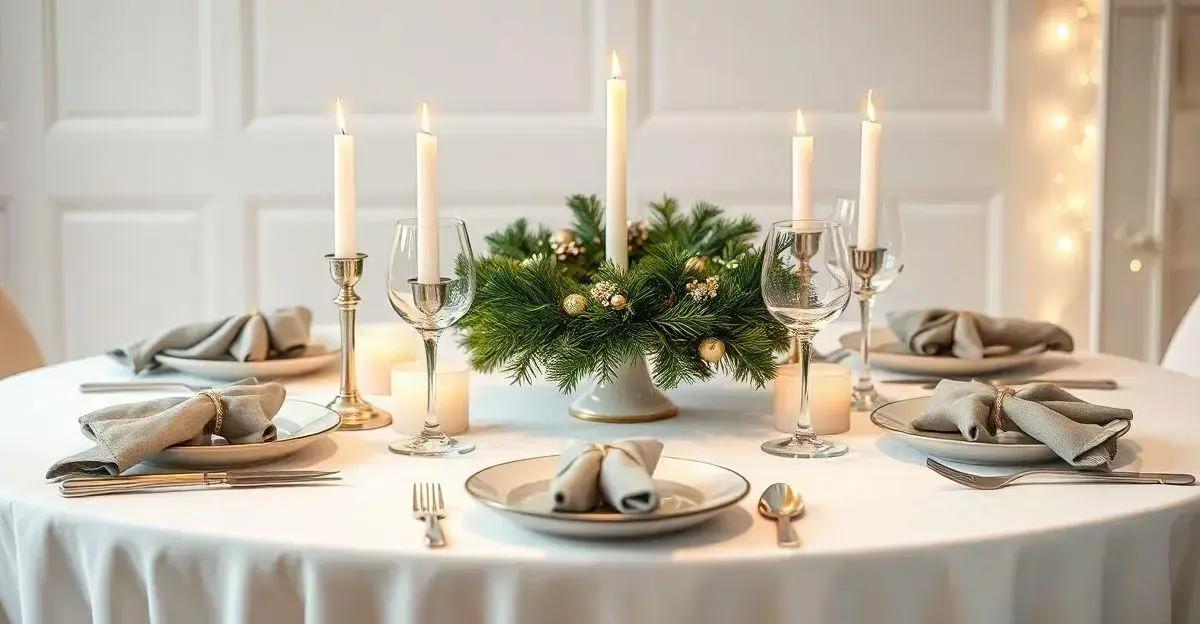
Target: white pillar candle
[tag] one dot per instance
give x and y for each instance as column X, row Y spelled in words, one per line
column 868, row 180
column 428, row 271
column 379, row 347
column 828, row 397
column 453, row 396
column 802, row 161
column 343, row 189
column 616, row 246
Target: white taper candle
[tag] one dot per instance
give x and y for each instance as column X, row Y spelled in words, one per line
column 615, row 215
column 868, row 180
column 428, row 271
column 802, row 162
column 343, row 189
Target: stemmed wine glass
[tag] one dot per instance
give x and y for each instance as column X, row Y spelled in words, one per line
column 876, row 267
column 806, row 286
column 431, row 305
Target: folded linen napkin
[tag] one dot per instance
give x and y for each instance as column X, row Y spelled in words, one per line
column 971, row 335
column 251, row 337
column 617, row 473
column 126, row 434
column 1082, row 433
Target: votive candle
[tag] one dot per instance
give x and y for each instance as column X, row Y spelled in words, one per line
column 453, row 396
column 828, row 397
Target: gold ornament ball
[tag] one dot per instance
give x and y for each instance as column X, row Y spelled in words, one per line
column 618, row 302
column 712, row 349
column 574, row 304
column 563, row 237
column 696, row 264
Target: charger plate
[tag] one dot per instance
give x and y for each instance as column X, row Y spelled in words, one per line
column 690, row 492
column 315, row 357
column 298, row 424
column 887, row 353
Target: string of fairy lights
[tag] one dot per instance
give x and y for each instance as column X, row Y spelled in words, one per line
column 1072, row 41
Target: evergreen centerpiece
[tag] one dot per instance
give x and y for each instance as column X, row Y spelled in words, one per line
column 549, row 304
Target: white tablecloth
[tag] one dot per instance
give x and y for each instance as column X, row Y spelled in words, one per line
column 885, row 539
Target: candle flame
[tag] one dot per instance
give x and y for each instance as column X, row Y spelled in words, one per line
column 801, row 129
column 871, row 105
column 341, row 116
column 424, row 117
column 616, row 65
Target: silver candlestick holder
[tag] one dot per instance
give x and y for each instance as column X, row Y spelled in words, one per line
column 866, row 264
column 357, row 414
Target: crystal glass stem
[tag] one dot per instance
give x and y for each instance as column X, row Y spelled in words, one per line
column 804, row 430
column 866, row 302
column 433, row 426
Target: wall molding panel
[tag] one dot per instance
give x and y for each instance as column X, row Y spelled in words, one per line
column 197, row 133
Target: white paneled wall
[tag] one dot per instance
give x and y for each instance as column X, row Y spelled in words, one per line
column 162, row 160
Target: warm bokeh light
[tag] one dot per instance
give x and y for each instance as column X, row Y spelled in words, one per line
column 616, row 65
column 424, row 117
column 1065, row 244
column 341, row 116
column 1135, row 265
column 1060, row 121
column 1063, row 32
column 871, row 105
column 801, row 129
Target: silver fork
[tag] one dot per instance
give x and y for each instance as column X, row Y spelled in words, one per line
column 981, row 482
column 429, row 506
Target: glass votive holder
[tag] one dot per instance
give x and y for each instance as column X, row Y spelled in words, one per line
column 828, row 398
column 453, row 396
column 378, row 347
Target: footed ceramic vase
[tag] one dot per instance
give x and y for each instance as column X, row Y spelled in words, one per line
column 631, row 398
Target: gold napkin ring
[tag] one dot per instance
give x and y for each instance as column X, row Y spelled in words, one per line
column 216, row 400
column 996, row 418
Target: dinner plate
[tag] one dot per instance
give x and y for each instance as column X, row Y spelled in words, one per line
column 297, row 424
column 315, row 357
column 888, row 353
column 689, row 491
column 897, row 417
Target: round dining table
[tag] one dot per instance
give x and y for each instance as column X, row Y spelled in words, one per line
column 883, row 538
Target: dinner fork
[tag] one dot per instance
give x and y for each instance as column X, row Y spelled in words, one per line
column 429, row 506
column 981, row 482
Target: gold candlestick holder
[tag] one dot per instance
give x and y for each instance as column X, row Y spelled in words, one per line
column 866, row 264
column 357, row 414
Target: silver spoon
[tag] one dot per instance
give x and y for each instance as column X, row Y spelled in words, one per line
column 781, row 503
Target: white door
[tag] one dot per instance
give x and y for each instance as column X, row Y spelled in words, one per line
column 163, row 160
column 1150, row 236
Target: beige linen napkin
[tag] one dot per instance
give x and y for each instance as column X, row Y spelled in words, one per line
column 126, row 434
column 617, row 473
column 971, row 335
column 249, row 337
column 1082, row 433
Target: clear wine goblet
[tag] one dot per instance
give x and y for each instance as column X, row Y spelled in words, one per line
column 876, row 267
column 431, row 305
column 806, row 285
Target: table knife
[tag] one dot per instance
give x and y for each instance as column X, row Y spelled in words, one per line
column 94, row 486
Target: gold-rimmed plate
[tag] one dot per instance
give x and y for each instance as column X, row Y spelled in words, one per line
column 1012, row 448
column 889, row 354
column 315, row 357
column 298, row 424
column 690, row 492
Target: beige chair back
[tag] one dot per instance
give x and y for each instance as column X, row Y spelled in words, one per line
column 1183, row 354
column 18, row 350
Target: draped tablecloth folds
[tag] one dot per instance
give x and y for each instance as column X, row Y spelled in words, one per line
column 884, row 539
